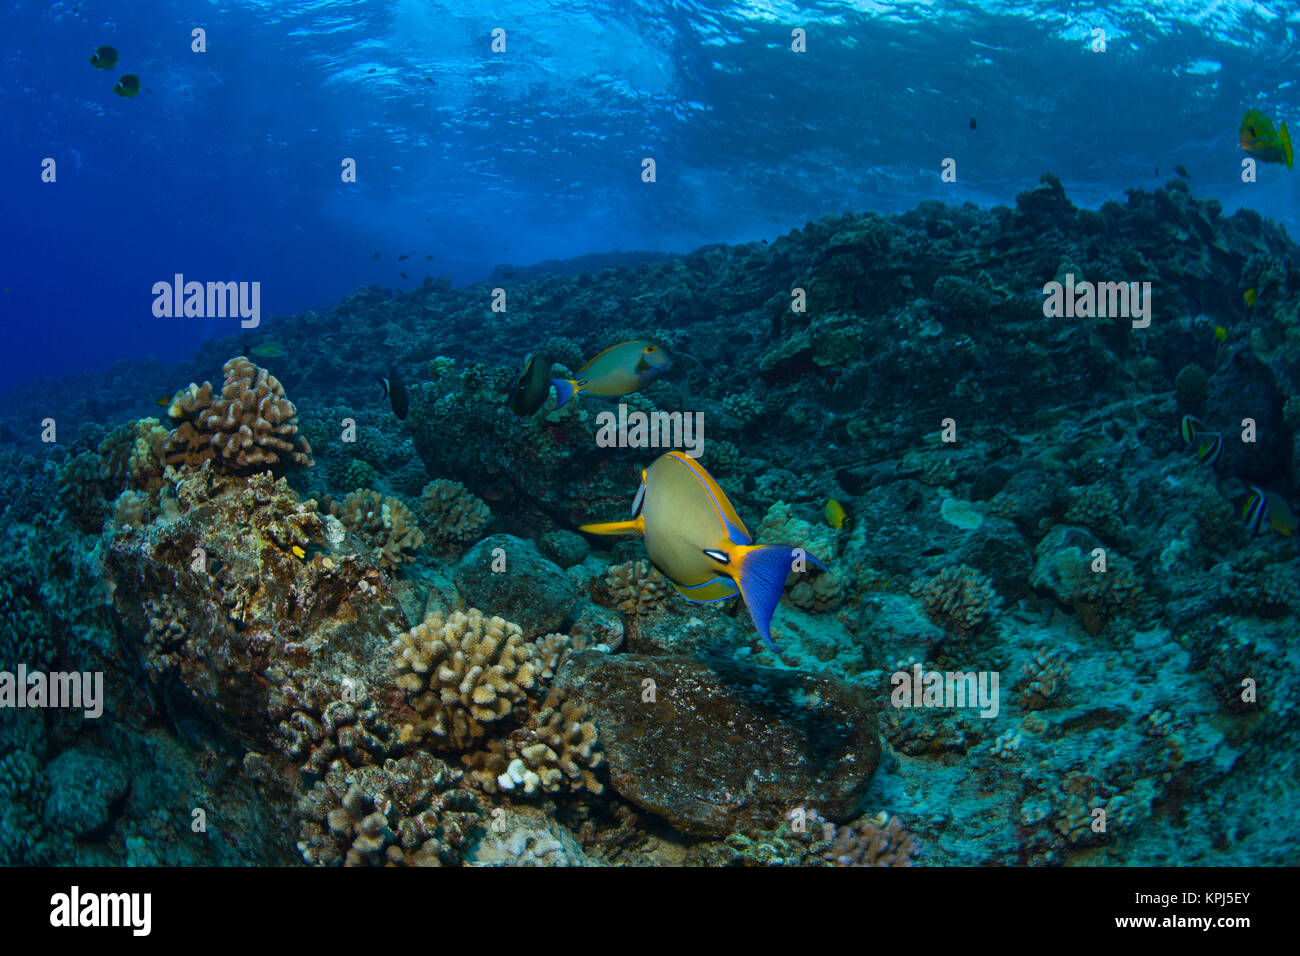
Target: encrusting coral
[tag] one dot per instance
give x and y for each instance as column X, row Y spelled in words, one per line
column 385, row 525
column 462, row 672
column 452, row 516
column 249, row 427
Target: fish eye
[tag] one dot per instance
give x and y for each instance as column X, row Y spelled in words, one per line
column 652, row 348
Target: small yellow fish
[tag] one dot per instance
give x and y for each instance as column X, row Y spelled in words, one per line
column 835, row 515
column 1221, row 333
column 163, row 401
column 268, row 350
column 1250, row 295
column 299, row 552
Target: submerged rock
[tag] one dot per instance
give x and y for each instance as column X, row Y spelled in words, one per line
column 726, row 746
column 524, row 587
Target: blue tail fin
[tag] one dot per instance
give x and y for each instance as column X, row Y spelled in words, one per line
column 565, row 389
column 763, row 571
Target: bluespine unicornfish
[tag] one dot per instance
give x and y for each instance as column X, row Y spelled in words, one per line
column 1265, row 510
column 695, row 538
column 1261, row 140
column 1208, row 445
column 619, row 370
column 532, row 388
column 395, row 392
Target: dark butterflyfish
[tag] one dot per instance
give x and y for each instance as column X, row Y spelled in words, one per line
column 972, row 122
column 1261, row 140
column 619, row 370
column 403, row 257
column 105, row 58
column 395, row 392
column 1182, row 172
column 695, row 538
column 532, row 388
column 128, row 85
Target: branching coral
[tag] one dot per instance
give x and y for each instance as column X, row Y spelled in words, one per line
column 959, row 598
column 550, row 651
column 250, row 427
column 1096, row 507
column 461, row 673
column 128, row 458
column 873, row 841
column 323, row 725
column 385, row 525
column 825, row 592
column 558, row 748
column 634, row 587
column 1045, row 676
column 409, row 812
column 451, row 515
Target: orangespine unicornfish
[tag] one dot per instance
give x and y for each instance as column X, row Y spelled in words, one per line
column 531, row 389
column 695, row 538
column 1208, row 445
column 1265, row 510
column 619, row 370
column 1261, row 140
column 395, row 392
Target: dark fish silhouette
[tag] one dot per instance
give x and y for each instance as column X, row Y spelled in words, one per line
column 532, row 388
column 105, row 58
column 395, row 392
column 972, row 122
column 1182, row 172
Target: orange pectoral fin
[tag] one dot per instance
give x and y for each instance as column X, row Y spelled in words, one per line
column 635, row 526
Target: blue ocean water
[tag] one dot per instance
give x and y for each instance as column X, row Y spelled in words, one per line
column 227, row 165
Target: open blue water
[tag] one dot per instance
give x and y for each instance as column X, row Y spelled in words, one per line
column 227, row 165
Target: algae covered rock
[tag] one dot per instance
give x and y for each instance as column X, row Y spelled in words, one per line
column 509, row 576
column 723, row 746
column 83, row 790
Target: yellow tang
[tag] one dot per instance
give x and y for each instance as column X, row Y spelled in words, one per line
column 619, row 370
column 694, row 536
column 835, row 514
column 298, row 552
column 1250, row 295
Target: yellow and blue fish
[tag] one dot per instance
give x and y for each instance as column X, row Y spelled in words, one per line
column 1261, row 140
column 695, row 538
column 1208, row 445
column 619, row 370
column 1265, row 510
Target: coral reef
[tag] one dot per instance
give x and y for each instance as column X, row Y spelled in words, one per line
column 959, row 598
column 450, row 515
column 407, row 812
column 879, row 840
column 385, row 525
column 462, row 672
column 249, row 427
column 634, row 587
